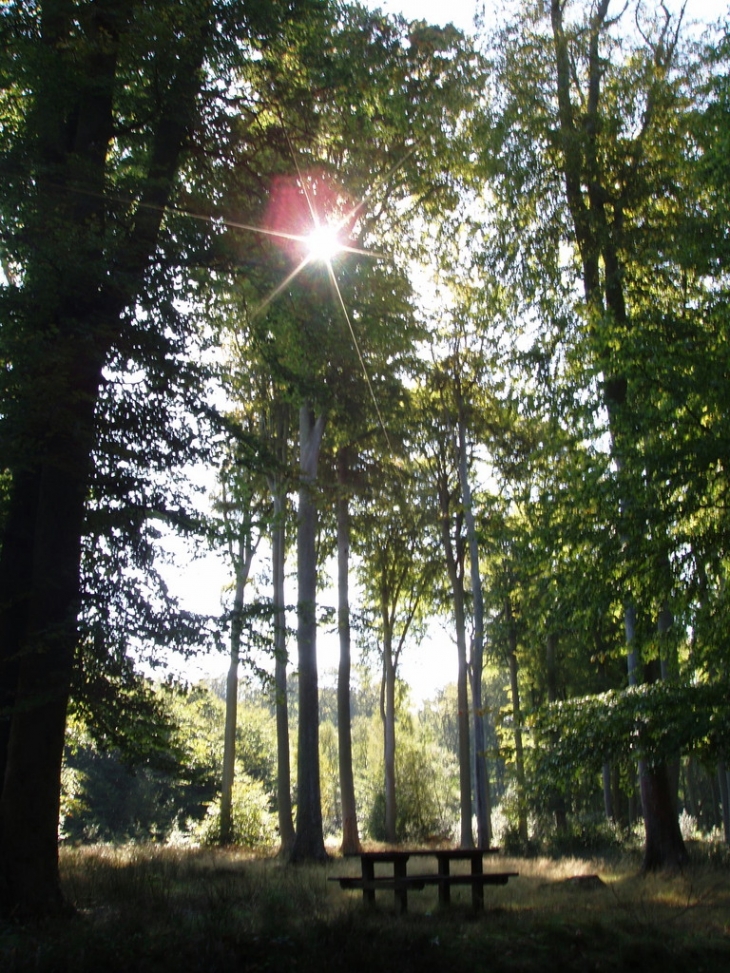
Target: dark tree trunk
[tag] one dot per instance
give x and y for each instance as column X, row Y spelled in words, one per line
column 664, row 845
column 517, row 725
column 722, row 780
column 309, row 841
column 551, row 678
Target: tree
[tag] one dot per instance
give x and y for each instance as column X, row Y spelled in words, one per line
column 443, row 463
column 105, row 103
column 602, row 150
column 396, row 572
column 240, row 506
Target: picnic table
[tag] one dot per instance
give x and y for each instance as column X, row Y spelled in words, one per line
column 397, row 879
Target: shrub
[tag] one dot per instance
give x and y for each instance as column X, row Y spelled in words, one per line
column 253, row 823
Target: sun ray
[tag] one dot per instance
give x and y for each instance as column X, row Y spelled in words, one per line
column 355, row 342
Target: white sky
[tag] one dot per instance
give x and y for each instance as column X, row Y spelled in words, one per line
column 461, row 12
column 200, row 583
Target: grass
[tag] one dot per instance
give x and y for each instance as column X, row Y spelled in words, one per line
column 153, row 910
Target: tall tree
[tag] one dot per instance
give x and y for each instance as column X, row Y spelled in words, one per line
column 105, row 101
column 605, row 146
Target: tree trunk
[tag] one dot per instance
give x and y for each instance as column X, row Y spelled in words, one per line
column 242, row 560
column 71, row 305
column 454, row 556
column 387, row 712
column 722, row 780
column 350, row 836
column 278, row 436
column 608, row 793
column 462, row 695
column 309, row 841
column 29, row 806
column 551, row 674
column 664, row 846
column 283, row 762
column 517, row 726
column 482, row 800
column 229, row 735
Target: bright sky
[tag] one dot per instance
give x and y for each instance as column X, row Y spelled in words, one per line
column 461, row 12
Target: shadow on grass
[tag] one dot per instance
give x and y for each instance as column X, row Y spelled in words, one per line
column 151, row 909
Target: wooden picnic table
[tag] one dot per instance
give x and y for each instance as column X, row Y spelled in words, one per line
column 400, row 882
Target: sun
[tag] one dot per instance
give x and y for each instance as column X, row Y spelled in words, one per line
column 323, row 243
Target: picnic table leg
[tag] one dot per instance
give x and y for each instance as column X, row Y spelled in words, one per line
column 477, row 889
column 444, row 887
column 401, row 894
column 368, row 874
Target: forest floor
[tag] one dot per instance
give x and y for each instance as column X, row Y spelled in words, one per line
column 147, row 909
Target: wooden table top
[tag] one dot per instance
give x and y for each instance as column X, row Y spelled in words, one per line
column 446, row 854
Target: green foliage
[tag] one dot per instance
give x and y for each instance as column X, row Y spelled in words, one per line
column 427, row 787
column 252, row 823
column 121, row 787
column 653, row 722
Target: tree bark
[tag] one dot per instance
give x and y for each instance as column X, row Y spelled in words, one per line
column 453, row 548
column 551, row 679
column 242, row 559
column 229, row 734
column 283, row 763
column 517, row 725
column 482, row 799
column 387, row 712
column 309, row 841
column 350, row 837
column 722, row 780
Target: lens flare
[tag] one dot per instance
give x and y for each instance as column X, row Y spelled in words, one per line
column 323, row 243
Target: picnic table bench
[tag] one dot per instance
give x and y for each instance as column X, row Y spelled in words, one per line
column 400, row 882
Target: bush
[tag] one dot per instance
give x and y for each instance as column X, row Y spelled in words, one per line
column 253, row 823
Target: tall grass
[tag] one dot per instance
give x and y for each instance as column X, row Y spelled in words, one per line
column 147, row 908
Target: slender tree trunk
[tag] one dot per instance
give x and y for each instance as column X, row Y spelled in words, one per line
column 517, row 728
column 551, row 670
column 229, row 736
column 350, row 836
column 722, row 780
column 283, row 763
column 608, row 793
column 309, row 841
column 482, row 800
column 241, row 559
column 279, row 434
column 387, row 712
column 462, row 695
column 454, row 557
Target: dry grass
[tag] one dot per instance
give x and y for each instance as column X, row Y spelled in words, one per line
column 153, row 910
